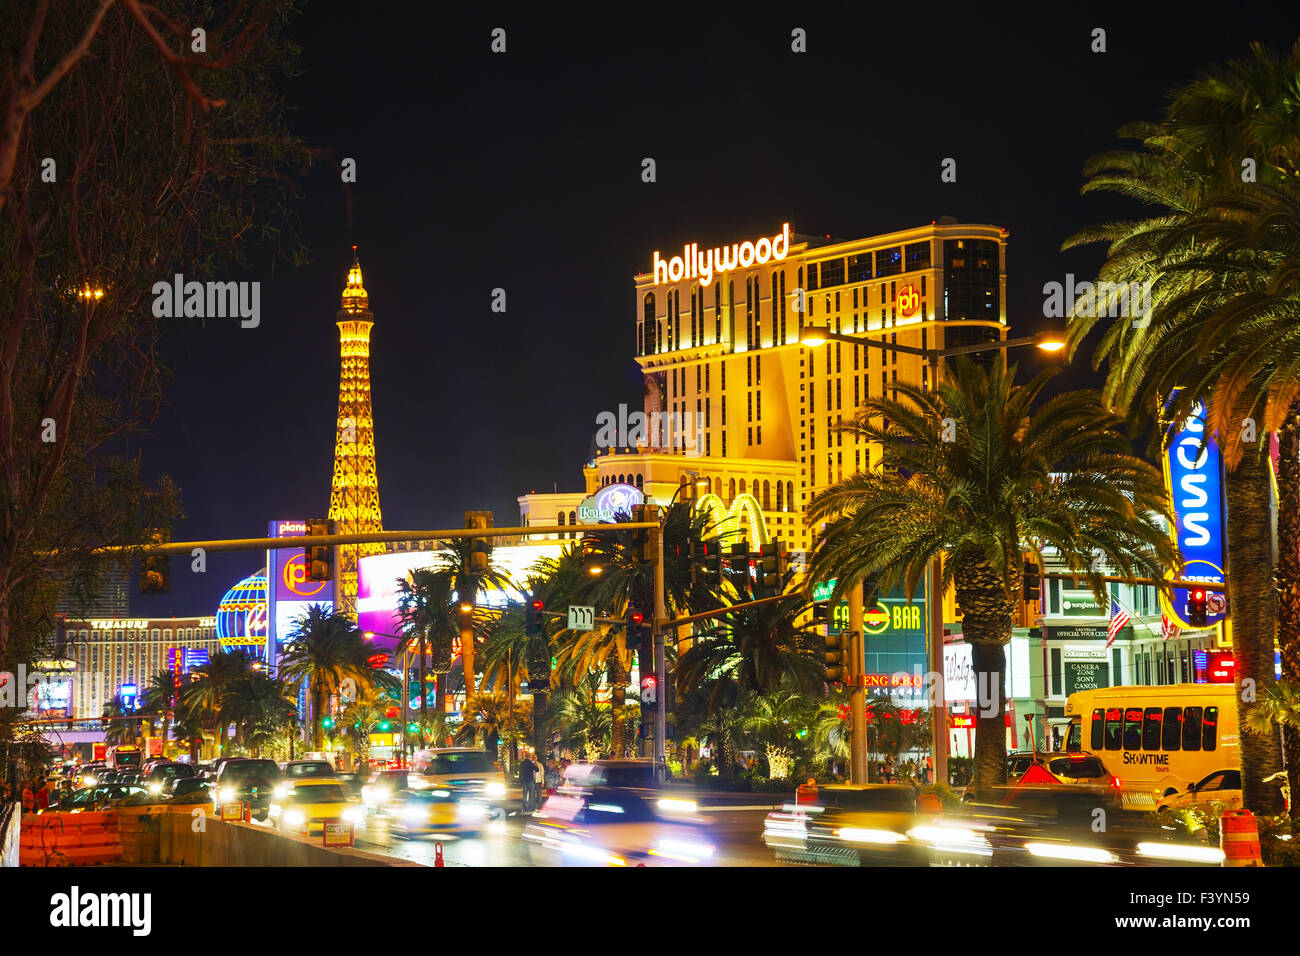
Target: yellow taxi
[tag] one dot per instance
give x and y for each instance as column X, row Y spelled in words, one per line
column 306, row 804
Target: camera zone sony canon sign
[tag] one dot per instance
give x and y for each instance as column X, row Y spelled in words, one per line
column 704, row 264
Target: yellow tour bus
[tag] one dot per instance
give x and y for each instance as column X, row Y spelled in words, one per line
column 1157, row 738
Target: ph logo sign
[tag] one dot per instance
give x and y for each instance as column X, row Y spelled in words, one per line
column 908, row 301
column 295, row 577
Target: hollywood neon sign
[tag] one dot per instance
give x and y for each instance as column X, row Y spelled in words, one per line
column 704, row 264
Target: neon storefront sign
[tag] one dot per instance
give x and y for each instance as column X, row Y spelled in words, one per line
column 1193, row 468
column 608, row 503
column 704, row 264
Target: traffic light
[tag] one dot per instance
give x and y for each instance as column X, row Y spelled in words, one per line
column 821, row 612
column 327, row 722
column 480, row 548
column 771, row 569
column 636, row 628
column 836, row 657
column 156, row 569
column 533, row 618
column 319, row 557
column 413, row 728
column 684, row 555
column 385, row 727
column 738, row 562
column 649, row 689
column 1033, row 582
column 1196, row 611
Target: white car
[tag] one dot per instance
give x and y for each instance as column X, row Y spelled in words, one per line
column 609, row 826
column 1222, row 786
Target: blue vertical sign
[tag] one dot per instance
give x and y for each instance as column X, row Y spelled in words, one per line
column 1194, row 477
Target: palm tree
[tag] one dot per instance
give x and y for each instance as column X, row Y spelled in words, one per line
column 425, row 604
column 261, row 707
column 758, row 648
column 831, row 727
column 775, row 719
column 118, row 727
column 1014, row 480
column 201, row 701
column 362, row 717
column 160, row 697
column 326, row 649
column 582, row 720
column 1277, row 710
column 1207, row 327
column 724, row 731
column 456, row 559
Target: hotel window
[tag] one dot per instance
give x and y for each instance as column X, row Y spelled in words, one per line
column 731, row 313
column 758, row 406
column 731, row 489
column 776, row 310
column 923, row 287
column 889, row 262
column 750, row 437
column 695, row 309
column 838, row 363
column 749, row 313
column 749, row 372
column 783, row 305
column 698, row 374
column 832, row 273
column 708, row 445
column 724, row 411
column 780, row 496
column 789, row 495
column 837, row 394
column 859, row 270
column 707, row 405
column 758, row 435
column 717, row 312
column 758, row 370
column 722, row 370
column 856, row 356
column 648, row 343
column 812, row 277
column 916, row 255
column 669, row 307
column 724, row 434
column 857, row 392
column 750, row 406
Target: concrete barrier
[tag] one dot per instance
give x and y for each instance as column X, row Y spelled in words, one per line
column 188, row 840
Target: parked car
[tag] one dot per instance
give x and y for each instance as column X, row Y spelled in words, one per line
column 1222, row 786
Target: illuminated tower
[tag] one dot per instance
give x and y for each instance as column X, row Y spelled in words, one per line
column 354, row 493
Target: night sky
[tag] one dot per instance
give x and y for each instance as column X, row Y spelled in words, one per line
column 522, row 171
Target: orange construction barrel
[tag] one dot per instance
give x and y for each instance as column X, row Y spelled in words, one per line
column 928, row 803
column 1239, row 839
column 806, row 792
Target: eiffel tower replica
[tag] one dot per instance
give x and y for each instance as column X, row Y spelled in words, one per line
column 354, row 492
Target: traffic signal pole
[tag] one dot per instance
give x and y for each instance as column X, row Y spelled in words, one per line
column 857, row 695
column 660, row 626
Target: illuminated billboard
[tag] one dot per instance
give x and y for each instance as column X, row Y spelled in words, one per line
column 378, row 576
column 291, row 594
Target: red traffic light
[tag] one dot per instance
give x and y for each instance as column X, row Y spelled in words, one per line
column 537, row 604
column 1198, row 595
column 636, row 617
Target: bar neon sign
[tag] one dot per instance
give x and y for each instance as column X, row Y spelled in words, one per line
column 703, row 264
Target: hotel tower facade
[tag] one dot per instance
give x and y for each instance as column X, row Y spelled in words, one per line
column 720, row 347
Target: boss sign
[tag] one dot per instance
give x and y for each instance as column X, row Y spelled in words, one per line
column 1194, row 477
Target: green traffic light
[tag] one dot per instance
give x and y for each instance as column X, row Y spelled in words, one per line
column 412, row 728
column 327, row 722
column 385, row 727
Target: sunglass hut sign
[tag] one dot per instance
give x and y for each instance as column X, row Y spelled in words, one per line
column 704, row 264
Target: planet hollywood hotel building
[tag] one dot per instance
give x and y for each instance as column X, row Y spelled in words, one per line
column 717, row 337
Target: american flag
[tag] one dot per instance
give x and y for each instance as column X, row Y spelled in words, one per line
column 1168, row 628
column 1118, row 618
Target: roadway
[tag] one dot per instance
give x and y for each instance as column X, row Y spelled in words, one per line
column 736, row 832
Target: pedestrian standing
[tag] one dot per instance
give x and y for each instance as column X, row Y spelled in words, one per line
column 527, row 782
column 888, row 771
column 29, row 799
column 540, row 784
column 43, row 796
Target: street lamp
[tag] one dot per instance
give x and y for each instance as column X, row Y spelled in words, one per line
column 814, row 336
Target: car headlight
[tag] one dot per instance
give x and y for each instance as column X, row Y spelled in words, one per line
column 867, row 835
column 495, row 789
column 227, row 794
column 281, row 791
column 354, row 814
column 471, row 810
column 90, row 781
column 1181, row 853
column 155, row 787
column 294, row 818
column 415, row 814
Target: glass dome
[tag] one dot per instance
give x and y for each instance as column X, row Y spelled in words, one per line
column 242, row 613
